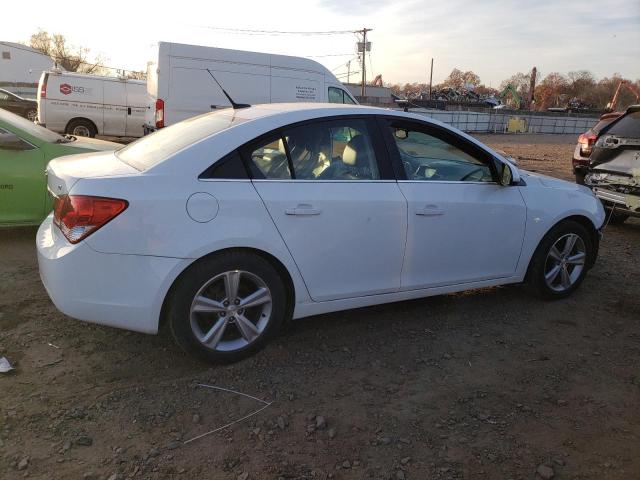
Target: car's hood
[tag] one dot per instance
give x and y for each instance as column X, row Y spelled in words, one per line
column 94, row 144
column 551, row 182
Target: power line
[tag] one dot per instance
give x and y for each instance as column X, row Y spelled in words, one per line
column 246, row 31
column 330, row 55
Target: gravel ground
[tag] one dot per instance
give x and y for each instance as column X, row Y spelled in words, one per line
column 489, row 384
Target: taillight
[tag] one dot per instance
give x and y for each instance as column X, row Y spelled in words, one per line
column 43, row 88
column 159, row 113
column 78, row 216
column 586, row 141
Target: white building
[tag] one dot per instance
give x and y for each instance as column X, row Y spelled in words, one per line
column 20, row 68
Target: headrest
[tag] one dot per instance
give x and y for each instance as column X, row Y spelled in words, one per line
column 356, row 152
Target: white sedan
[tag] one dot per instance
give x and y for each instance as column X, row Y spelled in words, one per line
column 228, row 224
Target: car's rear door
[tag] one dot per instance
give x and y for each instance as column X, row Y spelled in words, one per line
column 463, row 226
column 328, row 187
column 22, row 182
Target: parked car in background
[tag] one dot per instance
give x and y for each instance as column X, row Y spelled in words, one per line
column 614, row 166
column 25, row 150
column 21, row 106
column 240, row 220
column 180, row 83
column 90, row 105
column 585, row 144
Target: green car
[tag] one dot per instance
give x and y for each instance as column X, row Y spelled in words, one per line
column 25, row 150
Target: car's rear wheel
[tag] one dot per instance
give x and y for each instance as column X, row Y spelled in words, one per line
column 561, row 261
column 81, row 128
column 224, row 308
column 31, row 114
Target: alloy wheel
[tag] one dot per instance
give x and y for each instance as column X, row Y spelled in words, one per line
column 565, row 262
column 230, row 311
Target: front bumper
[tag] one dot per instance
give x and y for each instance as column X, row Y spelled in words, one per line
column 123, row 291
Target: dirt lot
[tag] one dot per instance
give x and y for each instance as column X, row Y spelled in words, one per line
column 489, row 384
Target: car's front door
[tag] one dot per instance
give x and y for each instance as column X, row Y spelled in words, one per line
column 328, row 187
column 22, row 182
column 463, row 226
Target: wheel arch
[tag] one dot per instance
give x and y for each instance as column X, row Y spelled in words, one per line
column 272, row 259
column 583, row 220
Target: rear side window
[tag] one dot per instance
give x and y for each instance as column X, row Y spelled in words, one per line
column 229, row 167
column 324, row 150
column 627, row 126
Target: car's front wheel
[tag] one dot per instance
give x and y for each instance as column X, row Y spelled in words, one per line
column 561, row 261
column 226, row 307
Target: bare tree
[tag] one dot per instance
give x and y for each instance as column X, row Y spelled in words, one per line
column 72, row 59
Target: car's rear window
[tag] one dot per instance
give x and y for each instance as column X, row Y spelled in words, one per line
column 153, row 149
column 627, row 126
column 29, row 127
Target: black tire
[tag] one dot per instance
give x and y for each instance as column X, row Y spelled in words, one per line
column 182, row 295
column 617, row 218
column 74, row 127
column 535, row 280
column 31, row 114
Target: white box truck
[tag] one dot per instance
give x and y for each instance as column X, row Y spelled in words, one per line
column 90, row 105
column 180, row 83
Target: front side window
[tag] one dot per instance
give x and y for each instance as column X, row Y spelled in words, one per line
column 326, row 150
column 427, row 157
column 337, row 95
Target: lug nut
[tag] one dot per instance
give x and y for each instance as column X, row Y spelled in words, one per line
column 237, row 301
column 226, row 303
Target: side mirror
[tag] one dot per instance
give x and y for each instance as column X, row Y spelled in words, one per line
column 10, row 141
column 507, row 174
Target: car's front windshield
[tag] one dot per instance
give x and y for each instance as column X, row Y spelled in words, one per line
column 157, row 147
column 30, row 128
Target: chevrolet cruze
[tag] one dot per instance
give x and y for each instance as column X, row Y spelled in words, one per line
column 231, row 223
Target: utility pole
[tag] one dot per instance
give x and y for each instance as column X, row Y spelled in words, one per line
column 348, row 70
column 431, row 79
column 363, row 90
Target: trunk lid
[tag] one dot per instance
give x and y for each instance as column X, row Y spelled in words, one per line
column 64, row 172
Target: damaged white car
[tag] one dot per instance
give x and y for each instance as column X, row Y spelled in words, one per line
column 614, row 170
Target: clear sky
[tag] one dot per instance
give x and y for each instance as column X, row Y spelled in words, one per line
column 494, row 38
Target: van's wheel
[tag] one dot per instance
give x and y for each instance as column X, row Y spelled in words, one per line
column 31, row 114
column 226, row 307
column 561, row 261
column 81, row 128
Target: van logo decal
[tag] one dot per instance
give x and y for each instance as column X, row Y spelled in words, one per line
column 67, row 89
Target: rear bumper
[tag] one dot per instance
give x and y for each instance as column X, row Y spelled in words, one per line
column 622, row 202
column 123, row 291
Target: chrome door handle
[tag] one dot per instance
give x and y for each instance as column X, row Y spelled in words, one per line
column 430, row 211
column 302, row 210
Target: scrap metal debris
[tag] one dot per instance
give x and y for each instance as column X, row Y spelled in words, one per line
column 5, row 366
column 255, row 412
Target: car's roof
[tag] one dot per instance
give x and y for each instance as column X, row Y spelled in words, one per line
column 269, row 109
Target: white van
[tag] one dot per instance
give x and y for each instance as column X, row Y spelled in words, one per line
column 90, row 105
column 181, row 84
